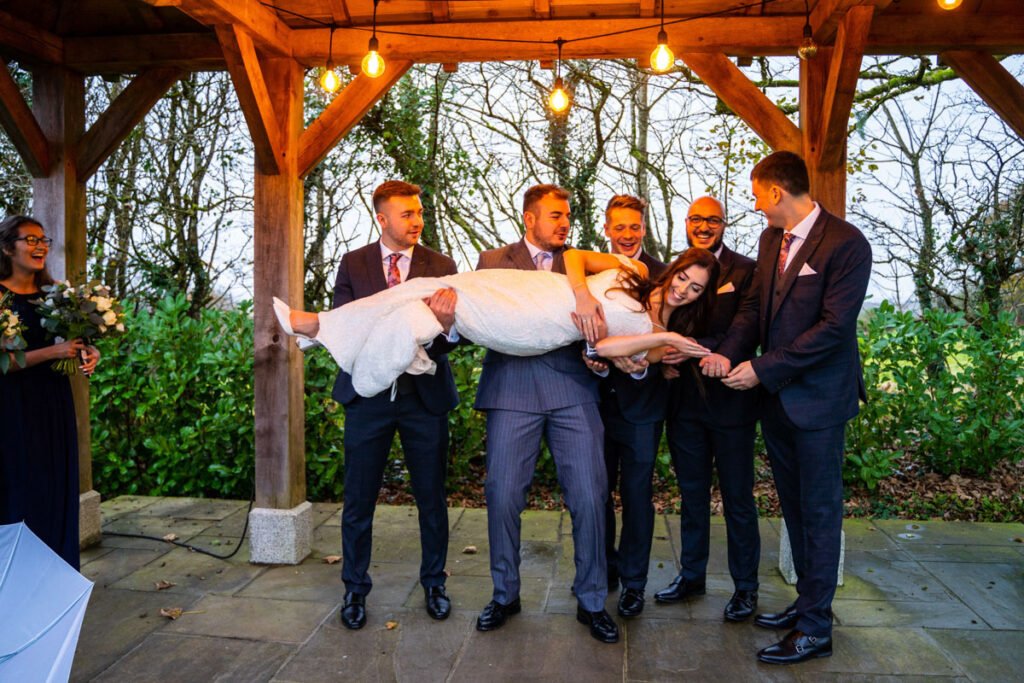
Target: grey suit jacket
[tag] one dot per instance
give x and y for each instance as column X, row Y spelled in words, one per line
column 557, row 379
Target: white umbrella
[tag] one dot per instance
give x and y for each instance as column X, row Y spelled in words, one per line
column 42, row 604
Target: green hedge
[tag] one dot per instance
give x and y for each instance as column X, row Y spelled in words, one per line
column 172, row 404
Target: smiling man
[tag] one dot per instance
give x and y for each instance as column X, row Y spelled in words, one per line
column 417, row 408
column 553, row 396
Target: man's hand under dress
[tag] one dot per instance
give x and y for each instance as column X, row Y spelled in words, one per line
column 597, row 366
column 628, row 365
column 715, row 365
column 742, row 377
column 442, row 303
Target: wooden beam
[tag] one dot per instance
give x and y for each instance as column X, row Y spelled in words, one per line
column 646, row 8
column 841, row 87
column 344, row 113
column 129, row 54
column 542, row 9
column 743, row 97
column 931, row 33
column 27, row 42
column 828, row 14
column 828, row 186
column 992, row 82
column 247, row 76
column 22, row 127
column 440, row 11
column 270, row 33
column 123, row 114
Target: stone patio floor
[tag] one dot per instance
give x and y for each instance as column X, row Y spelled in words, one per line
column 926, row 601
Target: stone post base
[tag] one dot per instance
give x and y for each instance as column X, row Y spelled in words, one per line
column 281, row 536
column 786, row 567
column 90, row 521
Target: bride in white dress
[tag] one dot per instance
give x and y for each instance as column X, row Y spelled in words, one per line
column 523, row 313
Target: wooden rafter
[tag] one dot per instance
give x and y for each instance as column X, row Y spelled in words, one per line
column 992, row 82
column 22, row 127
column 827, row 15
column 23, row 40
column 844, row 70
column 440, row 11
column 270, row 33
column 128, row 54
column 542, row 9
column 743, row 97
column 247, row 75
column 339, row 13
column 127, row 109
column 646, row 8
column 343, row 113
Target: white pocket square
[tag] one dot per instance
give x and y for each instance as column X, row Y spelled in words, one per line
column 806, row 270
column 726, row 288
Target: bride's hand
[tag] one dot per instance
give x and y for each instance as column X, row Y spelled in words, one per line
column 589, row 316
column 688, row 346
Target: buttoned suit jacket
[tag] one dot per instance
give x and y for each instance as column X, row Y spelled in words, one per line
column 707, row 399
column 361, row 274
column 806, row 323
column 535, row 384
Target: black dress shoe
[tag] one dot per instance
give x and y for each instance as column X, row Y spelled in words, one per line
column 787, row 618
column 741, row 605
column 797, row 646
column 679, row 590
column 601, row 624
column 495, row 614
column 439, row 606
column 631, row 602
column 353, row 614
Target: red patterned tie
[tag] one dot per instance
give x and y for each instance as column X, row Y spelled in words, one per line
column 787, row 239
column 394, row 275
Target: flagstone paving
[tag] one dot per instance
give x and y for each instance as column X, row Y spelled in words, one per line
column 930, row 600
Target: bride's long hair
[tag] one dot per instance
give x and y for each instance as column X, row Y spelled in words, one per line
column 689, row 320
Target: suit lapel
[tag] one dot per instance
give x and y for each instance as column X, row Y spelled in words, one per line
column 374, row 265
column 520, row 256
column 793, row 268
column 419, row 265
column 725, row 263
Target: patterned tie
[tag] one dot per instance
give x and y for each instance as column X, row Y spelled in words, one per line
column 394, row 275
column 542, row 260
column 787, row 239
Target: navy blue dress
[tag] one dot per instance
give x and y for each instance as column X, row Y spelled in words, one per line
column 39, row 445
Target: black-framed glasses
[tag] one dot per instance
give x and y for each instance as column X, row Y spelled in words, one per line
column 714, row 221
column 32, row 240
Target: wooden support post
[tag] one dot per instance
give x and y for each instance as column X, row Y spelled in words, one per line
column 828, row 185
column 280, row 424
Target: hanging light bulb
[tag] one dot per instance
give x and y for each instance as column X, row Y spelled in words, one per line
column 373, row 63
column 329, row 80
column 949, row 4
column 558, row 98
column 808, row 48
column 662, row 58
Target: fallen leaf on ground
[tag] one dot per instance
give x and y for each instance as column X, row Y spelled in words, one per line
column 332, row 559
column 391, row 625
column 164, row 585
column 171, row 537
column 469, row 550
column 171, row 613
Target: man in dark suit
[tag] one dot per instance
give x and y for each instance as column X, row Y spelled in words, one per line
column 633, row 411
column 709, row 425
column 416, row 407
column 813, row 272
column 555, row 396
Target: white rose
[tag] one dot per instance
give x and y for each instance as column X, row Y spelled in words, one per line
column 102, row 303
column 120, row 327
column 109, row 318
column 103, row 328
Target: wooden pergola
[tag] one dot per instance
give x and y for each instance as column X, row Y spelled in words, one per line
column 267, row 47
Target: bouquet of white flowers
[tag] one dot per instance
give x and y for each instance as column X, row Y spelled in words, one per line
column 11, row 340
column 86, row 312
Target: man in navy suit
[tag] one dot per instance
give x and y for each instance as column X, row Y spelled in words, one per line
column 710, row 425
column 416, row 407
column 813, row 272
column 633, row 411
column 553, row 396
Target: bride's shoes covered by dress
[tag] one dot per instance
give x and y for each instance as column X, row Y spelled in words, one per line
column 283, row 314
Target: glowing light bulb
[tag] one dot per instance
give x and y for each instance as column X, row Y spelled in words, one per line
column 662, row 58
column 949, row 4
column 329, row 80
column 808, row 48
column 558, row 100
column 373, row 63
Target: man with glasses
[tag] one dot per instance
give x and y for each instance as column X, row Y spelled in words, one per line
column 709, row 424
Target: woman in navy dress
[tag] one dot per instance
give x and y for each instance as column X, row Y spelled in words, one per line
column 38, row 434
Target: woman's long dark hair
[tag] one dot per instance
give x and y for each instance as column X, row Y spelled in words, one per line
column 8, row 235
column 690, row 320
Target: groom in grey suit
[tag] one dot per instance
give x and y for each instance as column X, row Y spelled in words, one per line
column 552, row 396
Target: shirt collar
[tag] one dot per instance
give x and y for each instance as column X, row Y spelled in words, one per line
column 534, row 250
column 718, row 252
column 803, row 228
column 386, row 251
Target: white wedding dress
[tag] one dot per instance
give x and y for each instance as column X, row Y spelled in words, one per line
column 521, row 313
